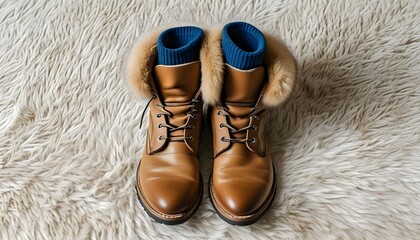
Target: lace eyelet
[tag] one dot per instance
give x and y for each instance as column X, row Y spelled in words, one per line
column 160, row 137
column 221, row 125
column 194, row 116
column 256, row 117
column 190, row 138
column 160, row 125
column 254, row 127
column 219, row 113
column 159, row 115
column 253, row 140
column 223, row 139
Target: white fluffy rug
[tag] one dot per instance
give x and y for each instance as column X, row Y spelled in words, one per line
column 346, row 145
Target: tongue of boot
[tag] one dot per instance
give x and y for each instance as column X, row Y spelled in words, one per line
column 241, row 91
column 177, row 84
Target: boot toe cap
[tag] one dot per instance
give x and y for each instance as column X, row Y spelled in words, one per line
column 167, row 189
column 240, row 202
column 241, row 192
column 172, row 200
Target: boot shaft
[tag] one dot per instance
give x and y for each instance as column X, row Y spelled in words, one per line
column 177, row 83
column 242, row 86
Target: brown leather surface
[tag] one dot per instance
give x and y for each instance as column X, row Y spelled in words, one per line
column 170, row 179
column 169, row 174
column 242, row 172
column 177, row 83
column 242, row 85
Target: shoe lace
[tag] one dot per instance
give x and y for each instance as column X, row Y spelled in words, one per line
column 224, row 112
column 192, row 113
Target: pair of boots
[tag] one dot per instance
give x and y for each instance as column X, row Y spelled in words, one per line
column 239, row 72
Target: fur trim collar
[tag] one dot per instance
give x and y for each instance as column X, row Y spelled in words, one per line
column 279, row 62
column 281, row 68
column 140, row 64
column 142, row 60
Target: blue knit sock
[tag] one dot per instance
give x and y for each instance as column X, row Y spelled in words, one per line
column 179, row 45
column 243, row 45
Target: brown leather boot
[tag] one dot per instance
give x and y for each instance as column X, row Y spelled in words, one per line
column 242, row 185
column 168, row 182
column 168, row 177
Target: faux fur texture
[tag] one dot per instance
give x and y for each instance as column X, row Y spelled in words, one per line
column 345, row 144
column 142, row 60
column 279, row 62
column 140, row 63
column 281, row 68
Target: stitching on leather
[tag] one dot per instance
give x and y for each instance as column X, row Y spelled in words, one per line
column 257, row 213
column 179, row 215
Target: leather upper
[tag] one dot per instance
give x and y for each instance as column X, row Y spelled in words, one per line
column 169, row 176
column 243, row 173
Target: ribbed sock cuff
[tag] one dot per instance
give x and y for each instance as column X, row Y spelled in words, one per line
column 243, row 45
column 179, row 45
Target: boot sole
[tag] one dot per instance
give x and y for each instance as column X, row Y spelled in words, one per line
column 168, row 219
column 243, row 220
